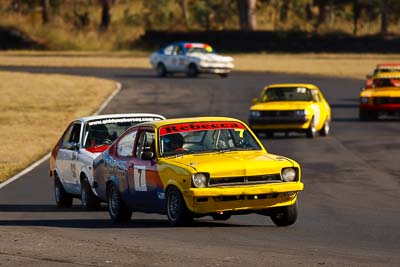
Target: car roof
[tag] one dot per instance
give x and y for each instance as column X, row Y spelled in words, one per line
column 126, row 115
column 161, row 123
column 306, row 85
column 387, row 75
column 385, row 65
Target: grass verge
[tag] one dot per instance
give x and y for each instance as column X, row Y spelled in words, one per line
column 336, row 65
column 35, row 109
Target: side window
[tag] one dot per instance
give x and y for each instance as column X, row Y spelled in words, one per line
column 125, row 145
column 72, row 134
column 168, row 50
column 178, row 50
column 76, row 132
column 146, row 142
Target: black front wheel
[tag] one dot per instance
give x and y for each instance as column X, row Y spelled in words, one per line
column 192, row 71
column 88, row 198
column 285, row 216
column 63, row 199
column 117, row 209
column 177, row 212
column 311, row 132
column 161, row 70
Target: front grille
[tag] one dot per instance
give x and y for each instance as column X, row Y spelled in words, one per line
column 278, row 113
column 245, row 180
column 386, row 100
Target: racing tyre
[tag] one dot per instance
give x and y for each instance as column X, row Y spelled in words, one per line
column 311, row 132
column 325, row 128
column 177, row 212
column 221, row 217
column 117, row 209
column 161, row 70
column 223, row 75
column 63, row 199
column 285, row 216
column 88, row 199
column 192, row 71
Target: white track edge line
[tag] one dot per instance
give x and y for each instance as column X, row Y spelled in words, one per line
column 46, row 157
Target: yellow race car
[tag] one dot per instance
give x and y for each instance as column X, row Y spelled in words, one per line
column 290, row 107
column 194, row 167
column 383, row 98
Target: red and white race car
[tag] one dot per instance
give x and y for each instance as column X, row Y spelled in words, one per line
column 190, row 58
column 71, row 161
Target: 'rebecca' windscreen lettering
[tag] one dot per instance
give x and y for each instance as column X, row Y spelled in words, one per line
column 199, row 126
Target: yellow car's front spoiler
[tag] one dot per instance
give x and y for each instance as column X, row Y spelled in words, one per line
column 282, row 127
column 241, row 198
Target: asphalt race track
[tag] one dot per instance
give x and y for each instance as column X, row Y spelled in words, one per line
column 349, row 212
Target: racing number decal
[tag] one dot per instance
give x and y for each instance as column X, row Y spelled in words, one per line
column 139, row 177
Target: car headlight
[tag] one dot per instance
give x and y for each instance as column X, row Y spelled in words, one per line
column 200, row 180
column 364, row 100
column 288, row 174
column 255, row 113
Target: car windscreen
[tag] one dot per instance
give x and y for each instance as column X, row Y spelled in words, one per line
column 103, row 132
column 287, row 94
column 205, row 137
column 386, row 82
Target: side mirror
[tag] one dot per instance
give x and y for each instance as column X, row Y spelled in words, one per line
column 254, row 100
column 72, row 146
column 147, row 155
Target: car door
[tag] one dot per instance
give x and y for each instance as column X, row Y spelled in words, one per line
column 66, row 158
column 168, row 58
column 146, row 188
column 121, row 161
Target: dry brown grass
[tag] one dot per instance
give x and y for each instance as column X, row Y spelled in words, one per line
column 338, row 65
column 35, row 109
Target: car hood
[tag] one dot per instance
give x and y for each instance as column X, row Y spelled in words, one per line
column 381, row 92
column 211, row 57
column 231, row 164
column 282, row 105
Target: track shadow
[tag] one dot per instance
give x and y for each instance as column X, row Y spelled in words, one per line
column 42, row 208
column 334, row 106
column 106, row 223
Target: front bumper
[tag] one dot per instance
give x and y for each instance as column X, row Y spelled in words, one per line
column 284, row 124
column 392, row 107
column 241, row 198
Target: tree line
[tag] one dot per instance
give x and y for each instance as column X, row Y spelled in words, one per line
column 218, row 14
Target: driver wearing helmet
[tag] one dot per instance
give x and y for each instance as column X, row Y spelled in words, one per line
column 174, row 143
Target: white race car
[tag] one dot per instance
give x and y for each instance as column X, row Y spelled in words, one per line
column 71, row 162
column 190, row 58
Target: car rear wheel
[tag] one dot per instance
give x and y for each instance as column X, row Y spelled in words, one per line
column 177, row 212
column 117, row 209
column 192, row 71
column 285, row 216
column 311, row 132
column 325, row 128
column 88, row 199
column 161, row 70
column 63, row 199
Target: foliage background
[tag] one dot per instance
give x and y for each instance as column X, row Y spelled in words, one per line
column 75, row 24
